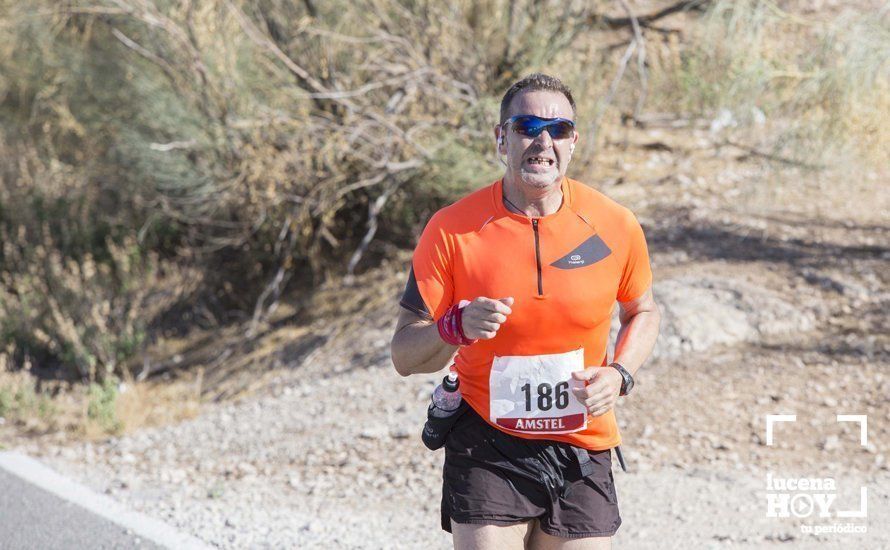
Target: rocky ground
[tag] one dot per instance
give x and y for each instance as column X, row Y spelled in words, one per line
column 774, row 294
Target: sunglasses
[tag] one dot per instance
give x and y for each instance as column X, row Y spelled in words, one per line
column 532, row 126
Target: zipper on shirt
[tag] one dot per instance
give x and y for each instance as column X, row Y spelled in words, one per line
column 538, row 257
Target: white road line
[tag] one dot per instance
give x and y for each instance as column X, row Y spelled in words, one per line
column 37, row 474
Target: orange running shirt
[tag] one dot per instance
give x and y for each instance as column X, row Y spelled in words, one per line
column 564, row 270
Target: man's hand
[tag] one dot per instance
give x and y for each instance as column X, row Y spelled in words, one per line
column 601, row 392
column 484, row 316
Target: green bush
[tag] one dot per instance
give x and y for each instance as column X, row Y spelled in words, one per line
column 101, row 402
column 20, row 401
column 6, row 402
column 101, row 405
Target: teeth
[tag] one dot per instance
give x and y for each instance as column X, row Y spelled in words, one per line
column 539, row 160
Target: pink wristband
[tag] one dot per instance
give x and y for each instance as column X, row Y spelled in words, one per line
column 451, row 327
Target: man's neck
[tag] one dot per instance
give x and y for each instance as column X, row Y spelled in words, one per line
column 532, row 201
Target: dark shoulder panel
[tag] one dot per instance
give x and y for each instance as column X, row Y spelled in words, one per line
column 411, row 298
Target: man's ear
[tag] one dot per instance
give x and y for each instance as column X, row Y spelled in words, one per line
column 499, row 136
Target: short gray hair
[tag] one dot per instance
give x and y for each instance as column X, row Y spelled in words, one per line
column 535, row 82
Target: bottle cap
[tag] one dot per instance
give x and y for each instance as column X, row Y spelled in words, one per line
column 451, row 383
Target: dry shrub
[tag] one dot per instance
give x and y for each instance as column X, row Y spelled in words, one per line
column 91, row 315
column 271, row 139
column 73, row 293
column 207, row 154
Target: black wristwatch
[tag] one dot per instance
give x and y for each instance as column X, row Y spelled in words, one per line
column 627, row 381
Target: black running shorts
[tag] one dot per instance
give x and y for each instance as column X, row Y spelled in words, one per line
column 491, row 477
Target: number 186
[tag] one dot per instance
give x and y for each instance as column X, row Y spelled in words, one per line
column 545, row 396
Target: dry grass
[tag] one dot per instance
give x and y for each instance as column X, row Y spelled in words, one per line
column 814, row 87
column 158, row 402
column 30, row 408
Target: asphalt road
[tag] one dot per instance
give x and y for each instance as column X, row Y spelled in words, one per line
column 31, row 518
column 42, row 509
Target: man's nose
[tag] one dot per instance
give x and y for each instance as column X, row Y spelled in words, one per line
column 544, row 139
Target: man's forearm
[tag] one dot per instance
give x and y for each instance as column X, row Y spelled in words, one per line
column 636, row 339
column 418, row 348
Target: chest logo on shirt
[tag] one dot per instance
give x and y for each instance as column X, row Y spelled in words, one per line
column 589, row 252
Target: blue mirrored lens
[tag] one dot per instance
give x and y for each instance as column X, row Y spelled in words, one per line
column 532, row 126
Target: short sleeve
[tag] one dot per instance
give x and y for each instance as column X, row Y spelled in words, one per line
column 636, row 275
column 430, row 288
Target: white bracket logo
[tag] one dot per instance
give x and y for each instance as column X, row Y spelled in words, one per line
column 863, row 425
column 772, row 419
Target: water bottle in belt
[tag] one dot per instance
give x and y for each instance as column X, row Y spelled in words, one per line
column 444, row 410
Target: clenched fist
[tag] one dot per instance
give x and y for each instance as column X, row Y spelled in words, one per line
column 484, row 316
column 601, row 392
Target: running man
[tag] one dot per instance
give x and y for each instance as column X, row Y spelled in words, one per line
column 516, row 284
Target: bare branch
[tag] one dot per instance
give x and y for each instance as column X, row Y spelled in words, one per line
column 317, row 87
column 164, row 147
column 647, row 20
column 613, row 87
column 146, row 53
column 343, row 94
column 273, row 289
column 752, row 152
column 641, row 58
column 374, row 209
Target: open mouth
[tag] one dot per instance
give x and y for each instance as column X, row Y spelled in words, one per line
column 540, row 161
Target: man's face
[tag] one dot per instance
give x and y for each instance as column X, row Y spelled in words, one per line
column 539, row 161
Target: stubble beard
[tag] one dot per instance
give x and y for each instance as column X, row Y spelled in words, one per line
column 540, row 180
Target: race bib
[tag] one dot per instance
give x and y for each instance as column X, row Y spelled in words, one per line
column 533, row 393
